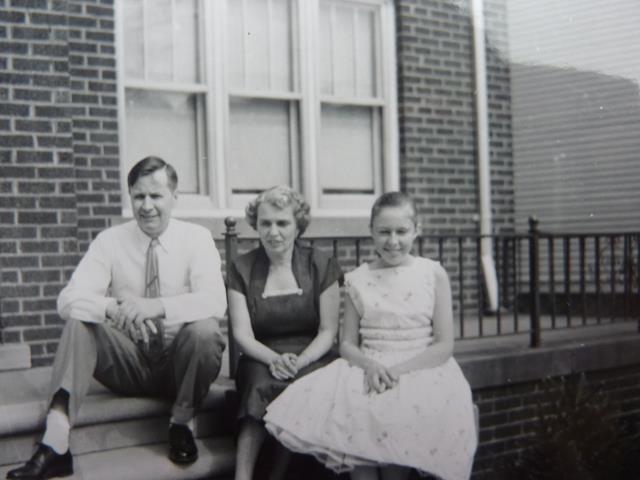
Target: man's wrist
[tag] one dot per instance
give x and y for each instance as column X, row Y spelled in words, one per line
column 111, row 309
column 159, row 309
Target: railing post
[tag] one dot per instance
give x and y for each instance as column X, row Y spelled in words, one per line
column 230, row 253
column 534, row 282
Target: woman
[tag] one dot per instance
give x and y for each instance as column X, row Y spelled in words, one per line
column 284, row 307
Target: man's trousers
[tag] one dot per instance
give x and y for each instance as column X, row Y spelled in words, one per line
column 184, row 371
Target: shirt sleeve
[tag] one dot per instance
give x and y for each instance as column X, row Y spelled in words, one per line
column 84, row 298
column 207, row 296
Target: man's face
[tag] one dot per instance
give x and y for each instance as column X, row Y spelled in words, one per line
column 152, row 201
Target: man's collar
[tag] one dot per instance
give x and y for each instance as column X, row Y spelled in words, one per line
column 166, row 240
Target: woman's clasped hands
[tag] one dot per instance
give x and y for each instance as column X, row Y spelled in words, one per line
column 378, row 378
column 285, row 366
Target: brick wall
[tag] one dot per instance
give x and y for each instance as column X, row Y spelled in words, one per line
column 507, row 413
column 37, row 194
column 437, row 113
column 58, row 155
column 92, row 71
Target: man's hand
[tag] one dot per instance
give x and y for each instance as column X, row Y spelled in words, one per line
column 140, row 330
column 133, row 316
column 132, row 308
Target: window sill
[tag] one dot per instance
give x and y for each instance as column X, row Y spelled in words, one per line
column 324, row 223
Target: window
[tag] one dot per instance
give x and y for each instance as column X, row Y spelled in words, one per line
column 241, row 95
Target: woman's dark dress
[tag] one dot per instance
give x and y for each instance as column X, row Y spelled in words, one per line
column 284, row 323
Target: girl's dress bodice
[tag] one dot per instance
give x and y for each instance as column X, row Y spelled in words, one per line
column 396, row 308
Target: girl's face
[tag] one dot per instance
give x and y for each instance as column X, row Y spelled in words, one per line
column 277, row 228
column 393, row 230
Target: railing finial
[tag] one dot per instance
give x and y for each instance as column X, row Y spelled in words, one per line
column 230, row 223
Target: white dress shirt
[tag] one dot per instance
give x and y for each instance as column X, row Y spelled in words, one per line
column 191, row 283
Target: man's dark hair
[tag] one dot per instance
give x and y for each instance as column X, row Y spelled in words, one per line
column 147, row 166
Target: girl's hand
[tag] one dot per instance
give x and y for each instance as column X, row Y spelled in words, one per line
column 283, row 367
column 378, row 378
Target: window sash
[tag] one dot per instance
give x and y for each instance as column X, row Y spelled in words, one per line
column 304, row 91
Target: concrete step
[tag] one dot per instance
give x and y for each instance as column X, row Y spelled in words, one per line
column 106, row 421
column 14, row 356
column 215, row 461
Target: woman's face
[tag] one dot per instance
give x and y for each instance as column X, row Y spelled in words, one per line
column 393, row 231
column 277, row 228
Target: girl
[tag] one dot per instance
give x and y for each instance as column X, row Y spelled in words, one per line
column 396, row 399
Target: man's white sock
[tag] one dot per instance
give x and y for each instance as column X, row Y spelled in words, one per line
column 56, row 434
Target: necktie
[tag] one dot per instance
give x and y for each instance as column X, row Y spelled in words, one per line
column 152, row 279
column 152, row 290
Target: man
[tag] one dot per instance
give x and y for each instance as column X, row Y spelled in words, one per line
column 141, row 311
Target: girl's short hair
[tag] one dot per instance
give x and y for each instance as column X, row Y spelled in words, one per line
column 280, row 196
column 393, row 199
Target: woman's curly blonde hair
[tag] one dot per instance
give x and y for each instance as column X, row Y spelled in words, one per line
column 280, row 196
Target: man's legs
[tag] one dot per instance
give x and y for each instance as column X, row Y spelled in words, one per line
column 195, row 358
column 89, row 350
column 193, row 362
column 85, row 349
column 73, row 368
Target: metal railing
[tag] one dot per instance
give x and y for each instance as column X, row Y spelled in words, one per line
column 545, row 281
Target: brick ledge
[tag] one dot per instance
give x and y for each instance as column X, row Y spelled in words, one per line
column 496, row 362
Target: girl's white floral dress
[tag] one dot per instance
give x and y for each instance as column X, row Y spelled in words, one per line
column 425, row 422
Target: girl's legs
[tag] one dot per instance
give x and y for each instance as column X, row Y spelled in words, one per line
column 250, row 439
column 394, row 472
column 364, row 473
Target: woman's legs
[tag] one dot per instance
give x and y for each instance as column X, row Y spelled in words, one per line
column 364, row 473
column 394, row 472
column 250, row 439
column 281, row 459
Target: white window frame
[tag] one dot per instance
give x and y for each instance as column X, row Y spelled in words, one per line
column 217, row 94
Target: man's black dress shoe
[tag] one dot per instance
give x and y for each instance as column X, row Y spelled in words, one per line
column 182, row 447
column 45, row 463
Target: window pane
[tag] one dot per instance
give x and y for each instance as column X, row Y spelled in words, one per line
column 158, row 40
column 349, row 149
column 343, row 52
column 366, row 54
column 262, row 144
column 133, row 39
column 186, row 30
column 347, row 50
column 260, row 45
column 164, row 124
column 161, row 40
column 282, row 30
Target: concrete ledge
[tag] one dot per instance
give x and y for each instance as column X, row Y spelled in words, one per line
column 504, row 361
column 22, row 405
column 14, row 356
column 217, row 457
